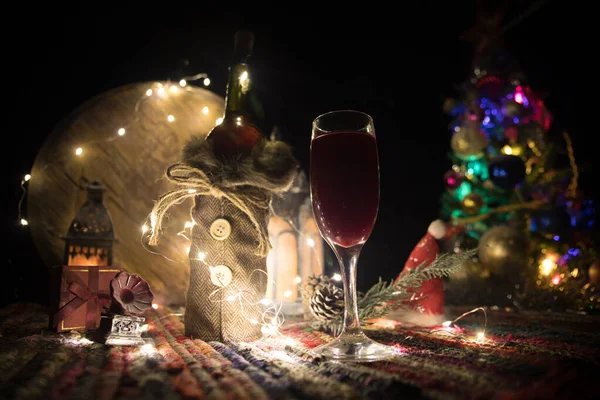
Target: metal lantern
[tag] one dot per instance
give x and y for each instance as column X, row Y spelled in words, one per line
column 297, row 246
column 90, row 238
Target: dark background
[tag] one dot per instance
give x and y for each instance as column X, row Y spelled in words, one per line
column 396, row 63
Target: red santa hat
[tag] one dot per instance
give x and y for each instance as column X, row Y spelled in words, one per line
column 429, row 309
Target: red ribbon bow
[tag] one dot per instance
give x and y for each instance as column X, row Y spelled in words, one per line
column 95, row 301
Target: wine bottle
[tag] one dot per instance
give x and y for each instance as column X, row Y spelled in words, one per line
column 236, row 135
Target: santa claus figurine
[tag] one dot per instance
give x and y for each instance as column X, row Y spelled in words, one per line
column 428, row 305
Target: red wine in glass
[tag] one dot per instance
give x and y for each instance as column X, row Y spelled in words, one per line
column 344, row 188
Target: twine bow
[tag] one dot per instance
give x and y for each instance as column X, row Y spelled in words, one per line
column 194, row 182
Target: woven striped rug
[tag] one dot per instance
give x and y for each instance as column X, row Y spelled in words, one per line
column 523, row 356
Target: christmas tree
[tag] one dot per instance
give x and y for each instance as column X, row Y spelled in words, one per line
column 512, row 191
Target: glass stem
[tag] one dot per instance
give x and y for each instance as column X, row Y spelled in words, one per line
column 348, row 258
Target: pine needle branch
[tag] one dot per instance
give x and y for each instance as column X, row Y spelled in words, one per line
column 444, row 265
column 383, row 296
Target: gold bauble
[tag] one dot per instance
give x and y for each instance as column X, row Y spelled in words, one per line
column 472, row 203
column 594, row 273
column 468, row 142
column 503, row 250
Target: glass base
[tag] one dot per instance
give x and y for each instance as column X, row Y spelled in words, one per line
column 355, row 347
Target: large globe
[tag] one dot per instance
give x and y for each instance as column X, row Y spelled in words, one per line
column 126, row 138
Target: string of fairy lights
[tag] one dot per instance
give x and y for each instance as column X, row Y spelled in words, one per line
column 272, row 317
column 156, row 89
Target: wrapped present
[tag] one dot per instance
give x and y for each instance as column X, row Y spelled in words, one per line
column 84, row 293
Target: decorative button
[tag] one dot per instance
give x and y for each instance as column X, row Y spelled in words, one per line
column 220, row 275
column 220, row 229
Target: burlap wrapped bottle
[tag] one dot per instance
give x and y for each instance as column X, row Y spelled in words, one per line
column 232, row 200
column 209, row 314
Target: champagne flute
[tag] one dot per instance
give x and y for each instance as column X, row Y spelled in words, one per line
column 344, row 189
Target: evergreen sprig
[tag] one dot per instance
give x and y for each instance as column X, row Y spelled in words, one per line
column 384, row 296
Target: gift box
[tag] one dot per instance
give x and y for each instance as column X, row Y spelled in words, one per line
column 84, row 293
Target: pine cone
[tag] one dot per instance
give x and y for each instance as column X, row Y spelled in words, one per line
column 308, row 289
column 327, row 302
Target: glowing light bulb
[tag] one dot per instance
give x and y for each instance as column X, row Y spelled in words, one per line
column 507, row 150
column 183, row 83
column 480, row 336
column 192, row 191
column 149, row 92
column 206, row 81
column 27, row 177
column 446, row 323
column 219, row 121
column 519, row 97
column 337, row 277
column 171, row 118
column 244, row 77
column 310, row 242
column 298, row 279
column 575, row 272
column 201, row 255
column 187, row 249
column 287, row 293
column 155, row 306
column 265, row 301
column 147, row 349
column 547, row 266
column 187, row 225
column 145, row 228
column 268, row 329
column 24, row 222
column 556, row 279
column 161, row 90
column 174, row 89
column 121, row 131
column 204, row 110
column 78, row 151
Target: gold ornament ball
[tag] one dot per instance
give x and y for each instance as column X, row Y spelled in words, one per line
column 594, row 273
column 468, row 142
column 503, row 250
column 472, row 203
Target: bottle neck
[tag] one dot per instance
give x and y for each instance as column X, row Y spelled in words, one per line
column 238, row 90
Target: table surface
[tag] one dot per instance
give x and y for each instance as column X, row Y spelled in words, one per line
column 524, row 355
